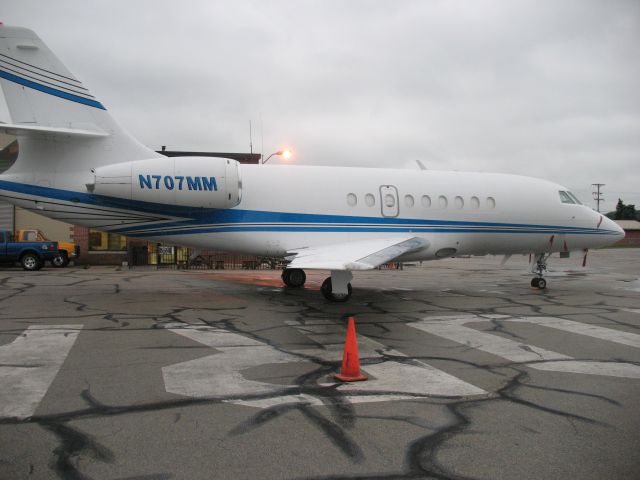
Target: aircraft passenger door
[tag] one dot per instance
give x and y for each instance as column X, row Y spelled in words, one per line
column 389, row 201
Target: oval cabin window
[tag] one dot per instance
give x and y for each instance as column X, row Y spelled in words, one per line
column 370, row 200
column 442, row 201
column 491, row 203
column 352, row 200
column 475, row 203
column 426, row 201
column 459, row 202
column 409, row 201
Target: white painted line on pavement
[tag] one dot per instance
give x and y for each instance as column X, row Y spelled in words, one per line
column 609, row 369
column 221, row 375
column 595, row 331
column 29, row 364
column 415, row 378
column 455, row 329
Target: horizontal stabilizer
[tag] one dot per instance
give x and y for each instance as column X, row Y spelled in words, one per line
column 25, row 129
column 361, row 255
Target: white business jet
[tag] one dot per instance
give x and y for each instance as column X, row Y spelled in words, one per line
column 76, row 164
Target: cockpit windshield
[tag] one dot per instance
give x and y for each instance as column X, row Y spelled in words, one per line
column 575, row 198
column 568, row 197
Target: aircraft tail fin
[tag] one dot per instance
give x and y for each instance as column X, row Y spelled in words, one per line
column 61, row 126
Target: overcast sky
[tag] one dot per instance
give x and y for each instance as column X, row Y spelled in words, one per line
column 543, row 88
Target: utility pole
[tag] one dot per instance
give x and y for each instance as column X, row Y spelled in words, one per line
column 597, row 196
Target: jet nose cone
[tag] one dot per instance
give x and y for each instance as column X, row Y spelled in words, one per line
column 614, row 227
column 620, row 231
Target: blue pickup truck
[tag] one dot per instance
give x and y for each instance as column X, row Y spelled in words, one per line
column 31, row 255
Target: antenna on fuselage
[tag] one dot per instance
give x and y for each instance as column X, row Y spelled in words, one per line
column 261, row 138
column 421, row 165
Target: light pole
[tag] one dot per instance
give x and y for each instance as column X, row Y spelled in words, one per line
column 286, row 153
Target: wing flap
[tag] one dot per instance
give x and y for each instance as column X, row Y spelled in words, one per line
column 360, row 255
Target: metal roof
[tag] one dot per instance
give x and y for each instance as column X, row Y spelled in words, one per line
column 240, row 157
column 628, row 224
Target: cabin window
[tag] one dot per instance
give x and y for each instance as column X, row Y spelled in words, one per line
column 352, row 200
column 491, row 203
column 389, row 200
column 409, row 201
column 370, row 200
column 442, row 201
column 475, row 203
column 426, row 201
column 459, row 202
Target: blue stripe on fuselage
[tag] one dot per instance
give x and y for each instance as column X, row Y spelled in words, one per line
column 207, row 220
column 351, row 229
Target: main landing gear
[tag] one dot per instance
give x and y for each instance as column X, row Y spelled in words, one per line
column 337, row 288
column 539, row 268
column 294, row 277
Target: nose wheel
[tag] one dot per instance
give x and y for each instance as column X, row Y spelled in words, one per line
column 540, row 283
column 539, row 268
column 294, row 277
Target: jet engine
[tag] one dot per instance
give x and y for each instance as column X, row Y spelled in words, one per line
column 203, row 182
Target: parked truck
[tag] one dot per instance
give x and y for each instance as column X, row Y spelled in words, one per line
column 66, row 250
column 31, row 255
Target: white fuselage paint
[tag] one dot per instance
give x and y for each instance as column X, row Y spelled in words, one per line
column 528, row 211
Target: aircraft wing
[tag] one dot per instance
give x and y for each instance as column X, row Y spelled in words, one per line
column 359, row 255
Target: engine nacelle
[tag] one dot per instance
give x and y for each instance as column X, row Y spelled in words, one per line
column 206, row 182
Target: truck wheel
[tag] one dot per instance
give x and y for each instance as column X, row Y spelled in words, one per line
column 61, row 260
column 30, row 262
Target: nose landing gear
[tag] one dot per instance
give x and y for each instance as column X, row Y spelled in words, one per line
column 540, row 283
column 539, row 268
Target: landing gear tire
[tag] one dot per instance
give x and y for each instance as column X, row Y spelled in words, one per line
column 539, row 268
column 60, row 260
column 326, row 290
column 539, row 283
column 30, row 262
column 294, row 277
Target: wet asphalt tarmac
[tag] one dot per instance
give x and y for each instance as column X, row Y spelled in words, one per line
column 111, row 373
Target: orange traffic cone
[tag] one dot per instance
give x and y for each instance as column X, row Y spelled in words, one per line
column 350, row 371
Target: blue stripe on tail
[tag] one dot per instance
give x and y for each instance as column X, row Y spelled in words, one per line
column 51, row 91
